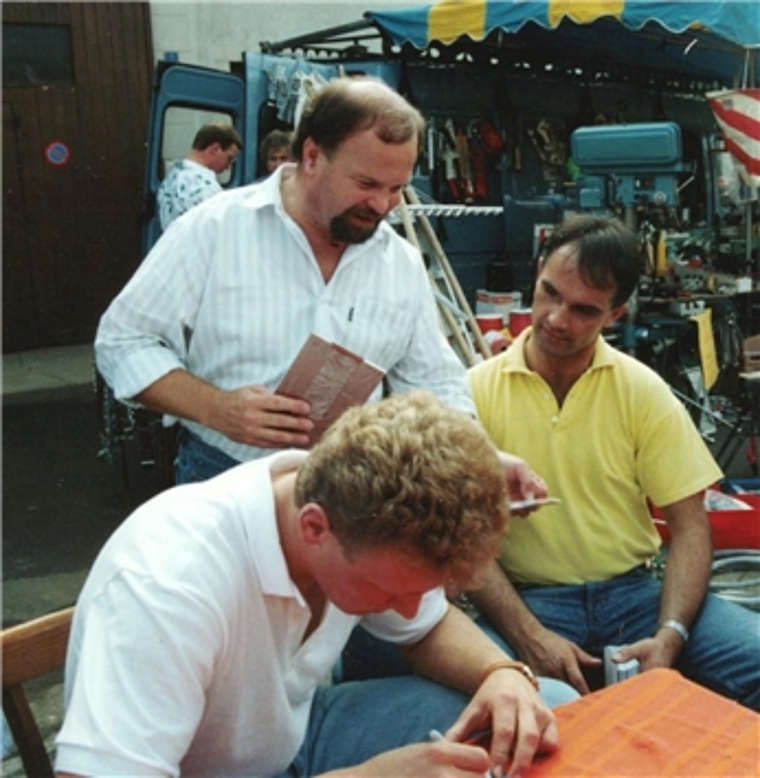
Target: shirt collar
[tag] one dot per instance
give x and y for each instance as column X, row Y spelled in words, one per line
column 185, row 164
column 264, row 539
column 513, row 359
column 268, row 193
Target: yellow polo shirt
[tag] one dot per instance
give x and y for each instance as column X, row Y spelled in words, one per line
column 621, row 436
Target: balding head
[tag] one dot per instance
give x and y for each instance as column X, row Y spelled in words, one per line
column 349, row 105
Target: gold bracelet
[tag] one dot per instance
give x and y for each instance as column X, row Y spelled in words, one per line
column 510, row 664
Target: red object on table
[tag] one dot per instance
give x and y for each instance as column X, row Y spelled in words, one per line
column 656, row 724
column 731, row 529
column 490, row 322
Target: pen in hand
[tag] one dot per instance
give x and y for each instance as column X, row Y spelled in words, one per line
column 435, row 736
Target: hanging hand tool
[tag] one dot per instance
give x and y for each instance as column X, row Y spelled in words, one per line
column 450, row 158
column 465, row 171
column 517, row 150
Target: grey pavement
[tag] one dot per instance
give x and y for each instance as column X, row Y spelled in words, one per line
column 62, row 497
column 67, row 368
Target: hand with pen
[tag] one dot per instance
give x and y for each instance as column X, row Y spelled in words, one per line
column 497, row 735
column 440, row 759
column 507, row 717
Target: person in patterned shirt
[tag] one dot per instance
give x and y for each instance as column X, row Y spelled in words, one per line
column 193, row 179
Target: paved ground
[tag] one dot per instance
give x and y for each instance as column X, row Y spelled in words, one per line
column 61, row 498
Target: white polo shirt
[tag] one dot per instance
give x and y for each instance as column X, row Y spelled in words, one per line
column 186, row 653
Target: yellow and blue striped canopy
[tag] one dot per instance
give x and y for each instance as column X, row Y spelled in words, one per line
column 717, row 40
column 445, row 21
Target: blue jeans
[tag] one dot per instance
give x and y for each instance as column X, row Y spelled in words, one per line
column 365, row 656
column 197, row 460
column 723, row 653
column 353, row 722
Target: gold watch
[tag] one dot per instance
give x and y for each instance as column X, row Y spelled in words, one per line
column 511, row 664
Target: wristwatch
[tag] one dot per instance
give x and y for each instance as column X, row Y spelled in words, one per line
column 676, row 626
column 510, row 664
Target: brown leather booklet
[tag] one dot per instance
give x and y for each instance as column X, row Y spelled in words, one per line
column 331, row 379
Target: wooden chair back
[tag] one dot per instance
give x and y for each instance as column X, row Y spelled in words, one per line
column 31, row 650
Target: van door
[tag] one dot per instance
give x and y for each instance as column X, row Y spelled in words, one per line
column 263, row 93
column 185, row 97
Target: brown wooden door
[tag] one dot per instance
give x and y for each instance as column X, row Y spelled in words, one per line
column 76, row 97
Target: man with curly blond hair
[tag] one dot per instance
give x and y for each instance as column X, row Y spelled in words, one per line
column 217, row 610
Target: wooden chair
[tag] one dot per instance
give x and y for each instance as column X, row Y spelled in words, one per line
column 30, row 650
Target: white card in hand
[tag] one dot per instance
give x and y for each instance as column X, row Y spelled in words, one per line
column 527, row 505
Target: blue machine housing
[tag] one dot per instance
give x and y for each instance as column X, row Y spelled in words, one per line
column 628, row 164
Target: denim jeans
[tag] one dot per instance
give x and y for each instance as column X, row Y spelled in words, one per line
column 353, row 722
column 197, row 460
column 366, row 656
column 723, row 652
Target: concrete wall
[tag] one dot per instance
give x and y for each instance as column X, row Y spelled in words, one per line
column 214, row 33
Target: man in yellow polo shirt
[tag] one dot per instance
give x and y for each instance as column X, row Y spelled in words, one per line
column 606, row 434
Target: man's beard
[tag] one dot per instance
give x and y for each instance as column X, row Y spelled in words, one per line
column 344, row 230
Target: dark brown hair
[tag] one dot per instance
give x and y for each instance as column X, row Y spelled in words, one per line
column 223, row 134
column 349, row 105
column 609, row 253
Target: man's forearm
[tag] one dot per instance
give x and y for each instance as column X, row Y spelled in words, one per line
column 454, row 653
column 689, row 561
column 181, row 394
column 498, row 601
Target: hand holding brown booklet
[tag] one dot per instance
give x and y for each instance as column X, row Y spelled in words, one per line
column 331, row 379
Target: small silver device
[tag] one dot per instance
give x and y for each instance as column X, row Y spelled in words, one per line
column 614, row 672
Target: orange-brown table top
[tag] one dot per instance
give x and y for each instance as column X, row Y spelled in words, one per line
column 656, row 724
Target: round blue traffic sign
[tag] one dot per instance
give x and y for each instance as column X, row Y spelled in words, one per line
column 57, row 153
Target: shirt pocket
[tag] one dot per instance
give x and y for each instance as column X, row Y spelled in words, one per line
column 379, row 329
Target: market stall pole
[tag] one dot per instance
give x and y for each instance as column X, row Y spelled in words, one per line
column 456, row 317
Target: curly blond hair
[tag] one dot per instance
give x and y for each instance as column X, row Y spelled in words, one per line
column 410, row 473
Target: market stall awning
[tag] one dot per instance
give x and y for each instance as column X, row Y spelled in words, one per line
column 715, row 39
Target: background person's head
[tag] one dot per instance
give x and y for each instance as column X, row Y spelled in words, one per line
column 410, row 474
column 274, row 150
column 215, row 146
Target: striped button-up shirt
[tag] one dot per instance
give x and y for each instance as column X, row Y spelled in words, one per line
column 232, row 291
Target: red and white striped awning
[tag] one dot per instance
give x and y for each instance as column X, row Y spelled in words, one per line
column 737, row 112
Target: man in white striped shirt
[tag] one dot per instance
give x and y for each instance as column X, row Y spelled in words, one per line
column 214, row 316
